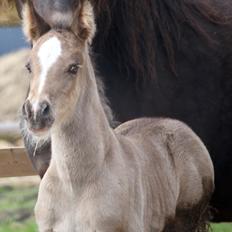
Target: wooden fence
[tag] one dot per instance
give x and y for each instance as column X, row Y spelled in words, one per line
column 13, row 161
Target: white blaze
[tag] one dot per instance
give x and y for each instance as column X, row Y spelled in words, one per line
column 48, row 54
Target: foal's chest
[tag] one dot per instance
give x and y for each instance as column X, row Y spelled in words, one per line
column 74, row 215
column 86, row 215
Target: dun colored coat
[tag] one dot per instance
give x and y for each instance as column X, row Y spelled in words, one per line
column 149, row 174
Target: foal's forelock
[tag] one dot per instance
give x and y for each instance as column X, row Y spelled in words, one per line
column 48, row 54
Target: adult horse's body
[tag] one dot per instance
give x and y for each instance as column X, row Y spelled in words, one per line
column 164, row 58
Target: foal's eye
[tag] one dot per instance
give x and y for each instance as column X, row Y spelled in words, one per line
column 28, row 67
column 73, row 69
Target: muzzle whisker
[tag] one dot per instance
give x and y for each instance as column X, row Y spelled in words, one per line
column 36, row 146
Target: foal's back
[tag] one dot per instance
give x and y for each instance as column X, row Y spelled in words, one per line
column 175, row 165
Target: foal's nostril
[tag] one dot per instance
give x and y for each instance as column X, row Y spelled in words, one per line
column 38, row 115
column 27, row 110
column 45, row 108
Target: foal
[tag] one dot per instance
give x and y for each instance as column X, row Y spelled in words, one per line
column 147, row 175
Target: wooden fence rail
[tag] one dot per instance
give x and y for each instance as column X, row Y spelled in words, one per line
column 14, row 162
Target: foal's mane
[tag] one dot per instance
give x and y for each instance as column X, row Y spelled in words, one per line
column 130, row 32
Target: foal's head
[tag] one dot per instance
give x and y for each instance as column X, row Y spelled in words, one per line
column 57, row 66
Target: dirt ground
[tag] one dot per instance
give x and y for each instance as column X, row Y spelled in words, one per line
column 26, row 181
column 13, row 84
column 8, row 14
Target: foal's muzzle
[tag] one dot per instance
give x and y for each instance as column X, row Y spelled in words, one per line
column 39, row 117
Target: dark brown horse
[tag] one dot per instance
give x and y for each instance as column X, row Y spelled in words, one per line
column 169, row 58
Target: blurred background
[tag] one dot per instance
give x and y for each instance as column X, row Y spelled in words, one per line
column 18, row 195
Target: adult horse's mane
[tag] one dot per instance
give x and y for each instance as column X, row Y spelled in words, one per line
column 153, row 22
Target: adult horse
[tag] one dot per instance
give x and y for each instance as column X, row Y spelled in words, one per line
column 159, row 58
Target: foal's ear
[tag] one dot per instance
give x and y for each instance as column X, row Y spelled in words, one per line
column 84, row 23
column 33, row 25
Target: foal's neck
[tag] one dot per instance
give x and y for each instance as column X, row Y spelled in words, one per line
column 80, row 145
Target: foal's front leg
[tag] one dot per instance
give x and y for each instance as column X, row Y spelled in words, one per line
column 46, row 203
column 43, row 220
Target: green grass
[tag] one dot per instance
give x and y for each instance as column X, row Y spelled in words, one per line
column 222, row 227
column 27, row 226
column 16, row 210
